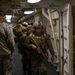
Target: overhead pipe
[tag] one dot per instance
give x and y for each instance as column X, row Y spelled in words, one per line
column 43, row 12
column 52, row 28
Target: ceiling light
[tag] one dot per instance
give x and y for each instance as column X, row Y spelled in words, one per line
column 28, row 12
column 8, row 16
column 8, row 20
column 33, row 1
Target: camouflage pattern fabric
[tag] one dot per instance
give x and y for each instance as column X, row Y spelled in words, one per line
column 38, row 63
column 21, row 32
column 5, row 65
column 6, row 50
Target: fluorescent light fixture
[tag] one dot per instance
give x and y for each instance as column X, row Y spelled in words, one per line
column 8, row 20
column 28, row 12
column 33, row 1
column 8, row 16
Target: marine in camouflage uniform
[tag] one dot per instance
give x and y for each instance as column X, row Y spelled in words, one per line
column 6, row 50
column 39, row 65
column 22, row 31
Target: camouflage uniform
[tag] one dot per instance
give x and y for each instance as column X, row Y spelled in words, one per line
column 39, row 64
column 21, row 37
column 6, row 50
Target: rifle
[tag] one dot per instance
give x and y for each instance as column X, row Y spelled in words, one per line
column 39, row 49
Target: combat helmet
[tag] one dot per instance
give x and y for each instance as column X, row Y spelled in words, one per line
column 25, row 24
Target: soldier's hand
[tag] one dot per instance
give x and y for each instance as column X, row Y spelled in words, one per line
column 52, row 58
column 34, row 46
